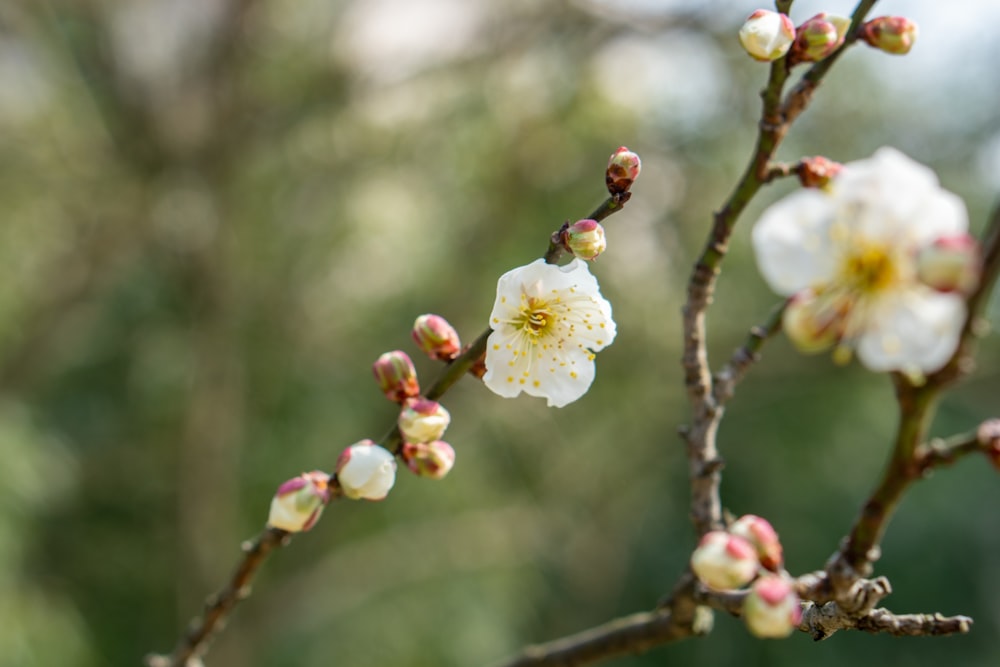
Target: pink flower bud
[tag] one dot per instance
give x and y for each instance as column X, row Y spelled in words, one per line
column 762, row 536
column 767, row 35
column 623, row 168
column 297, row 503
column 817, row 172
column 950, row 264
column 819, row 37
column 423, row 420
column 723, row 561
column 396, row 376
column 365, row 470
column 772, row 608
column 436, row 337
column 429, row 459
column 892, row 34
column 585, row 239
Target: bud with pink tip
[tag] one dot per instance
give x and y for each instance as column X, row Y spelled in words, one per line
column 817, row 172
column 723, row 561
column 762, row 536
column 423, row 420
column 818, row 37
column 429, row 459
column 297, row 503
column 436, row 337
column 365, row 470
column 396, row 376
column 892, row 34
column 585, row 239
column 950, row 264
column 623, row 168
column 772, row 608
column 767, row 35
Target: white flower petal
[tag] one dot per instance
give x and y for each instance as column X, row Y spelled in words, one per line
column 506, row 362
column 898, row 199
column 792, row 242
column 918, row 330
column 563, row 379
column 941, row 214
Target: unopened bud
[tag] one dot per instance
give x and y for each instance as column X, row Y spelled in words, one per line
column 585, row 239
column 762, row 537
column 950, row 264
column 365, row 470
column 435, row 336
column 723, row 561
column 429, row 459
column 818, row 37
column 767, row 35
column 817, row 172
column 772, row 609
column 297, row 503
column 623, row 168
column 892, row 34
column 423, row 420
column 396, row 376
column 815, row 323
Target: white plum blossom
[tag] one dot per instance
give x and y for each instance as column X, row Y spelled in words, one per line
column 848, row 257
column 548, row 321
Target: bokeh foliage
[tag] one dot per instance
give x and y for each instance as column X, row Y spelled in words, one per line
column 217, row 214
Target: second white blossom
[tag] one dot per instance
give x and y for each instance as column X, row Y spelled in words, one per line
column 849, row 260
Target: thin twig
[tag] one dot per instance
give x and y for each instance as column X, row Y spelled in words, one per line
column 777, row 116
column 219, row 606
column 195, row 642
column 725, row 381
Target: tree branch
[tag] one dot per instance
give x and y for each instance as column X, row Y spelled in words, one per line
column 219, row 606
column 776, row 118
column 725, row 381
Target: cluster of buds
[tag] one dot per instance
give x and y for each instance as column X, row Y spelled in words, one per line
column 767, row 35
column 422, row 422
column 731, row 559
column 623, row 169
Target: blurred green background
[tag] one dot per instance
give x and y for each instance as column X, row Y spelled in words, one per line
column 215, row 216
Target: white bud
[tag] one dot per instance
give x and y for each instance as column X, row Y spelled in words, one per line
column 365, row 470
column 767, row 35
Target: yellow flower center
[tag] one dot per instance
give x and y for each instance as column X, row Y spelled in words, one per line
column 535, row 317
column 869, row 268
